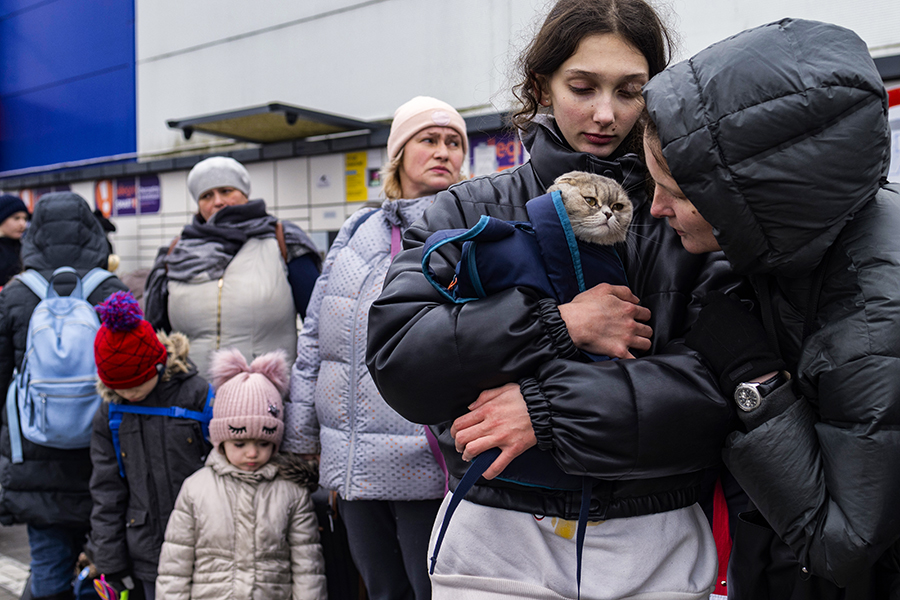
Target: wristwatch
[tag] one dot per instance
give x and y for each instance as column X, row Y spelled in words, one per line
column 749, row 395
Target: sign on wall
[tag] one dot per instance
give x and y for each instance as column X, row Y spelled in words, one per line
column 127, row 196
column 362, row 173
column 355, row 175
column 31, row 196
column 491, row 153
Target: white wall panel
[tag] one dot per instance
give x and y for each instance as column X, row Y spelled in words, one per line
column 703, row 22
column 361, row 63
column 292, row 183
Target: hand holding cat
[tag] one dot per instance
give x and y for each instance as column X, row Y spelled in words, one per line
column 497, row 419
column 607, row 320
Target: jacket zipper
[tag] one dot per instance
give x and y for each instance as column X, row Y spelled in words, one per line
column 219, row 313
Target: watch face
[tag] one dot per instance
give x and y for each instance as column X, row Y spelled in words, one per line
column 747, row 397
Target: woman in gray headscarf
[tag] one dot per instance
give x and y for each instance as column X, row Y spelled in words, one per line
column 237, row 276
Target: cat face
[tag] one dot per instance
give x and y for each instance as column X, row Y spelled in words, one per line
column 598, row 207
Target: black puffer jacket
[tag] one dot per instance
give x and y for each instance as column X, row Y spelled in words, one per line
column 51, row 486
column 130, row 515
column 780, row 138
column 645, row 427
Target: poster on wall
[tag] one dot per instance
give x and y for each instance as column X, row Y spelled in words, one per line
column 492, row 153
column 128, row 196
column 31, row 196
column 362, row 172
column 356, row 177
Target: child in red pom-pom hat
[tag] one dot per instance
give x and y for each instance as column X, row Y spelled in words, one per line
column 138, row 367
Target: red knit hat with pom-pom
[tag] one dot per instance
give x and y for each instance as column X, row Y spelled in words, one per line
column 126, row 348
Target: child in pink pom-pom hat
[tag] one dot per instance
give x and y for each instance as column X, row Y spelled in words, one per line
column 244, row 526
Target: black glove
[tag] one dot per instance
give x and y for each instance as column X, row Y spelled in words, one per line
column 733, row 342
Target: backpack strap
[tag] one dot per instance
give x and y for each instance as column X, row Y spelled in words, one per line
column 117, row 411
column 41, row 287
column 282, row 245
column 92, row 280
column 362, row 220
column 485, row 228
column 35, row 282
column 171, row 248
column 12, row 419
column 479, row 465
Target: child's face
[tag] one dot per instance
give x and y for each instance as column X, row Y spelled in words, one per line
column 138, row 393
column 248, row 455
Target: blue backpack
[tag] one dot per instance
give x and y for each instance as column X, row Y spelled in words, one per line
column 54, row 397
column 117, row 411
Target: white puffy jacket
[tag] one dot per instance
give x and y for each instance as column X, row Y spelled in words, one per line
column 238, row 535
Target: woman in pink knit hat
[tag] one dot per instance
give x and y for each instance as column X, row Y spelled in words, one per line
column 381, row 467
column 244, row 525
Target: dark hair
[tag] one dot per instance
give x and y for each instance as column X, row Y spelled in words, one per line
column 570, row 21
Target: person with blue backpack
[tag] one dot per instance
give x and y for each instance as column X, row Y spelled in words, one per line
column 45, row 463
column 149, row 435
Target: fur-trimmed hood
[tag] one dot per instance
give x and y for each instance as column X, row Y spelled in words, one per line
column 177, row 363
column 293, row 467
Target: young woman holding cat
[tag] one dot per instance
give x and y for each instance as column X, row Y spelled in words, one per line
column 498, row 372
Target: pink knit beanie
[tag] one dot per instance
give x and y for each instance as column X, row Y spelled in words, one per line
column 419, row 113
column 248, row 397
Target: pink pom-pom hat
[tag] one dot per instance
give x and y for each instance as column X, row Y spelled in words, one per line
column 248, row 403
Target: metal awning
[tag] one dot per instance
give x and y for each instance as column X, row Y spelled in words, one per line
column 273, row 122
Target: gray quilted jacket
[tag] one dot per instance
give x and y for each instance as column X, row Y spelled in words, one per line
column 368, row 451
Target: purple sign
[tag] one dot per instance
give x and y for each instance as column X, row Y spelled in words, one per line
column 137, row 196
column 126, row 199
column 148, row 194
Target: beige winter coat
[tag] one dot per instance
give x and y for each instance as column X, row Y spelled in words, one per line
column 236, row 535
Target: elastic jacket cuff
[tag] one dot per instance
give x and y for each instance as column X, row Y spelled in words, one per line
column 539, row 411
column 556, row 329
column 775, row 403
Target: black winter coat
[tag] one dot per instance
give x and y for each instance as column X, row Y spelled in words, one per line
column 128, row 522
column 644, row 428
column 51, row 486
column 780, row 139
column 10, row 259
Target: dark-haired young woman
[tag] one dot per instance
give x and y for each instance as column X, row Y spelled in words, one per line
column 499, row 373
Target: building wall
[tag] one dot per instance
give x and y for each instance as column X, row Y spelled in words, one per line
column 359, row 58
column 67, row 81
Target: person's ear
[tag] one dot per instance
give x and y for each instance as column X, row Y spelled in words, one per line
column 542, row 90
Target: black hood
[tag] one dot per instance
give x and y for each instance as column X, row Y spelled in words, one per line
column 778, row 135
column 64, row 232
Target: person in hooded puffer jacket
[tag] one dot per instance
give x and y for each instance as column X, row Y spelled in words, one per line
column 49, row 490
column 388, row 480
column 139, row 367
column 244, row 527
column 777, row 152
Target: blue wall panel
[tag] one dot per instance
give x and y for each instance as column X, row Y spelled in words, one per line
column 67, row 81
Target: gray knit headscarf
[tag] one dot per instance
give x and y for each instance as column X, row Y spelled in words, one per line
column 215, row 172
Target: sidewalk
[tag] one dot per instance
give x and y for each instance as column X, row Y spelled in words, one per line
column 14, row 558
